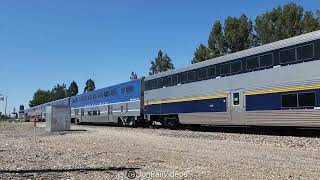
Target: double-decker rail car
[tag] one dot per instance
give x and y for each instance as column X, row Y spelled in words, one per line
column 35, row 112
column 122, row 103
column 276, row 84
column 40, row 110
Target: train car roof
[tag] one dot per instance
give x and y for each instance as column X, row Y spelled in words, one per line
column 248, row 52
column 109, row 87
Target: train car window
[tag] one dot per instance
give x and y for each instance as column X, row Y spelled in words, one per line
column 289, row 100
column 225, row 69
column 287, row 56
column 174, row 79
column 191, row 76
column 160, row 82
column 202, row 73
column 106, row 93
column 197, row 74
column 218, row 72
column 236, row 67
column 168, row 81
column 89, row 113
column 183, row 77
column 98, row 112
column 305, row 52
column 307, row 99
column 253, row 63
column 121, row 108
column 113, row 92
column 236, row 98
column 154, row 84
column 212, row 72
column 266, row 60
column 129, row 89
column 148, row 85
column 94, row 113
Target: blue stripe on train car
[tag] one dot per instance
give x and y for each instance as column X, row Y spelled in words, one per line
column 207, row 105
column 103, row 96
column 272, row 101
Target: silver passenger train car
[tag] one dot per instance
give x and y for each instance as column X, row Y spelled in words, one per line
column 40, row 110
column 276, row 84
column 120, row 104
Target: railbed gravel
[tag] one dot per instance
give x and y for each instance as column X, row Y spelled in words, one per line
column 105, row 152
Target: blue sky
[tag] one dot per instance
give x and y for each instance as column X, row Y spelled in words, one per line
column 45, row 42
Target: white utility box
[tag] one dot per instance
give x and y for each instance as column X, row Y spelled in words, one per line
column 58, row 118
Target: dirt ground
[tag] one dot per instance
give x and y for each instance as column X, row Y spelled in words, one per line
column 104, row 152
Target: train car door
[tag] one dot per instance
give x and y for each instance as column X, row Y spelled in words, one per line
column 81, row 114
column 109, row 112
column 237, row 107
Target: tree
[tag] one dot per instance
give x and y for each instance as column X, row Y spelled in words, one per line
column 238, row 32
column 90, row 86
column 58, row 92
column 73, row 89
column 269, row 26
column 310, row 22
column 292, row 15
column 280, row 23
column 202, row 53
column 40, row 97
column 133, row 76
column 161, row 63
column 216, row 40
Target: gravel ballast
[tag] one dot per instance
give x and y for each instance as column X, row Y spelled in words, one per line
column 104, row 152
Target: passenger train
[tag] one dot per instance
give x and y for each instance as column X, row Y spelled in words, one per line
column 276, row 84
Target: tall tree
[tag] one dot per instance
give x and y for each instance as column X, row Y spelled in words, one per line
column 133, row 76
column 161, row 63
column 269, row 26
column 279, row 23
column 40, row 97
column 58, row 92
column 310, row 22
column 73, row 89
column 292, row 15
column 90, row 86
column 216, row 40
column 202, row 53
column 238, row 32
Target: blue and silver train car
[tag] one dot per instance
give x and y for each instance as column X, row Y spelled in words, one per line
column 276, row 84
column 122, row 103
